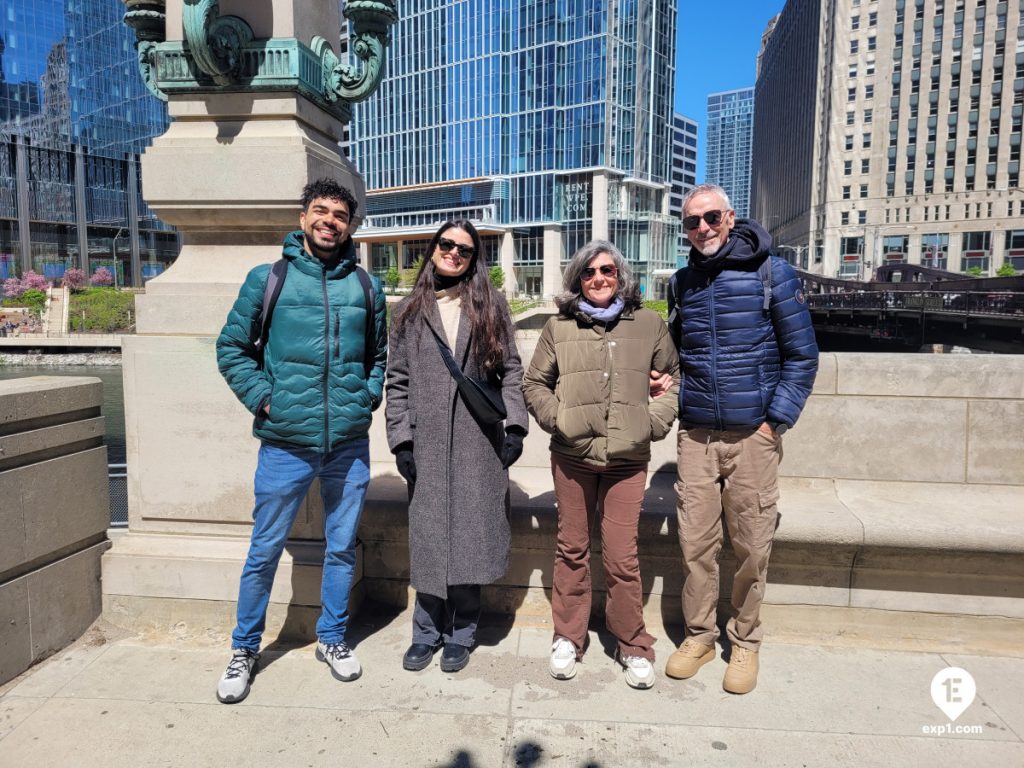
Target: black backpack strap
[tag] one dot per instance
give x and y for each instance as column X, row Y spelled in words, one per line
column 271, row 293
column 370, row 342
column 764, row 274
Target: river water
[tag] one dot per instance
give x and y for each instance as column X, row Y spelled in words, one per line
column 113, row 396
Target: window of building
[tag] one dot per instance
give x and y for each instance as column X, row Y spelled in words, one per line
column 863, row 190
column 976, row 251
column 934, row 250
column 1015, row 248
column 869, row 91
column 855, row 23
column 865, row 165
column 846, row 192
column 862, row 217
column 844, row 218
column 853, row 70
column 854, row 46
column 849, row 141
column 851, row 94
column 849, row 118
column 872, row 43
column 868, row 115
column 847, row 167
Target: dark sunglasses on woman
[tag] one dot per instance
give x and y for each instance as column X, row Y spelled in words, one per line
column 608, row 270
column 465, row 251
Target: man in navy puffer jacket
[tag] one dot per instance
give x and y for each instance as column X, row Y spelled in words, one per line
column 748, row 360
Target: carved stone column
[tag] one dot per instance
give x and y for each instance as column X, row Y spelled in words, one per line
column 258, row 100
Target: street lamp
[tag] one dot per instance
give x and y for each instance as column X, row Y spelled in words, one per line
column 120, row 231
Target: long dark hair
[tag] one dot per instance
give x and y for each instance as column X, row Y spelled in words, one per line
column 478, row 301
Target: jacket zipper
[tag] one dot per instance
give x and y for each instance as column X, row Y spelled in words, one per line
column 327, row 359
column 714, row 353
column 337, row 336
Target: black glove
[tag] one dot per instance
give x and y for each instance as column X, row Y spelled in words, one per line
column 406, row 463
column 512, row 449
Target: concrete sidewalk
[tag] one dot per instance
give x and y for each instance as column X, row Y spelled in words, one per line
column 118, row 700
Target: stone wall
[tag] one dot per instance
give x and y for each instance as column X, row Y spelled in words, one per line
column 53, row 515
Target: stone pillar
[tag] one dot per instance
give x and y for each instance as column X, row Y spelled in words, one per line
column 21, row 185
column 81, row 214
column 508, row 256
column 364, row 255
column 552, row 261
column 228, row 174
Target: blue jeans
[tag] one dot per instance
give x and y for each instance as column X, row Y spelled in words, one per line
column 283, row 477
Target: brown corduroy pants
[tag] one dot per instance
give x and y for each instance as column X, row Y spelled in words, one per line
column 619, row 490
column 731, row 474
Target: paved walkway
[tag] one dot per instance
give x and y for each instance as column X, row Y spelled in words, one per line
column 116, row 700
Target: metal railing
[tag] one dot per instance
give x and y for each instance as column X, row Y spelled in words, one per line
column 1001, row 304
column 117, row 478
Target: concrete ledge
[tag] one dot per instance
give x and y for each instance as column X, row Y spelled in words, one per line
column 53, row 515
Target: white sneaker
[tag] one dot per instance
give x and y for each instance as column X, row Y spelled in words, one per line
column 339, row 657
column 234, row 683
column 563, row 659
column 639, row 671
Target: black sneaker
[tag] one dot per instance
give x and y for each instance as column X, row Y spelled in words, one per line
column 234, row 684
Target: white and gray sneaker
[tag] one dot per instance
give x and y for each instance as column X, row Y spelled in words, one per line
column 339, row 657
column 563, row 659
column 234, row 684
column 639, row 671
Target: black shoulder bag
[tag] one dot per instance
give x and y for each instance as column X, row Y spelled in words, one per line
column 482, row 399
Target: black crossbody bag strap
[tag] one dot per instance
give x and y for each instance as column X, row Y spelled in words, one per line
column 446, row 355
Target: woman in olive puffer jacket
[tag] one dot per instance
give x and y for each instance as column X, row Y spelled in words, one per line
column 588, row 386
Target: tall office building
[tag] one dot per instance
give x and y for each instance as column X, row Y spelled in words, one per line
column 684, row 174
column 889, row 131
column 546, row 123
column 730, row 130
column 74, row 117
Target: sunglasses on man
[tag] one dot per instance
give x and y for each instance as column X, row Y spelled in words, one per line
column 608, row 270
column 713, row 218
column 465, row 251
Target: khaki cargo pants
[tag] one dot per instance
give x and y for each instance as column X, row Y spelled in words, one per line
column 730, row 474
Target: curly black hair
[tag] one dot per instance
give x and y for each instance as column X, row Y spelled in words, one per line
column 330, row 190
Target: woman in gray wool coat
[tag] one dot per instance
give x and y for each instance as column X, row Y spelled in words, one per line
column 457, row 470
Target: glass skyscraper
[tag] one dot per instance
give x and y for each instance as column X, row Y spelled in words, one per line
column 730, row 143
column 546, row 122
column 74, row 117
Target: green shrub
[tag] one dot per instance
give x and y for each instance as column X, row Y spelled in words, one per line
column 1006, row 270
column 497, row 277
column 975, row 271
column 101, row 310
column 518, row 306
column 392, row 278
column 34, row 299
column 659, row 306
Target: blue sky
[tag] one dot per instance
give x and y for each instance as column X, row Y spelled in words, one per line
column 716, row 50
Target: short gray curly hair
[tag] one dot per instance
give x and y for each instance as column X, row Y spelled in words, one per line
column 568, row 301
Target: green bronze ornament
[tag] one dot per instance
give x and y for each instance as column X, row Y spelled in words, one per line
column 147, row 18
column 215, row 42
column 371, row 22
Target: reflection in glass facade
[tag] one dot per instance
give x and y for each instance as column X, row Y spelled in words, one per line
column 546, row 122
column 74, row 117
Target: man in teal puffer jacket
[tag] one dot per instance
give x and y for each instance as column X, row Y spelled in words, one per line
column 311, row 394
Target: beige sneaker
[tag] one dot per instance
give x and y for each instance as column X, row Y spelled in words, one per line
column 741, row 676
column 689, row 658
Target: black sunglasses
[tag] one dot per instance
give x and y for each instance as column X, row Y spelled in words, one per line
column 608, row 270
column 713, row 218
column 465, row 251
